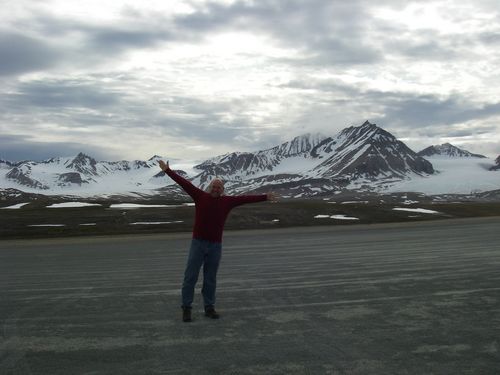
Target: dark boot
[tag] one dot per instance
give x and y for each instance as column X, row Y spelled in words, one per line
column 186, row 314
column 211, row 313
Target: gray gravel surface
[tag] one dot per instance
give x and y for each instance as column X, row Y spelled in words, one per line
column 413, row 298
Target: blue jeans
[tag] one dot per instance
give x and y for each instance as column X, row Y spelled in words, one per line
column 206, row 253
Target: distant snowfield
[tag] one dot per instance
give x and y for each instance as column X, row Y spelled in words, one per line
column 455, row 176
column 73, row 205
column 155, row 222
column 343, row 217
column 14, row 207
column 131, row 206
column 337, row 217
column 419, row 210
column 47, row 225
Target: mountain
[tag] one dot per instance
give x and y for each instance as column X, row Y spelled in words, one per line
column 449, row 150
column 358, row 158
column 241, row 165
column 313, row 164
column 82, row 173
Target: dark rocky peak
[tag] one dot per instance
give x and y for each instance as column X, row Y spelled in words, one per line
column 366, row 133
column 83, row 164
column 82, row 158
column 447, row 149
column 368, row 151
column 367, row 130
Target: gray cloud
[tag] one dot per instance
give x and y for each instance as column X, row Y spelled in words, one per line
column 20, row 54
column 431, row 115
column 326, row 32
column 429, row 110
column 323, row 37
column 425, row 50
column 84, row 102
column 62, row 94
column 490, row 38
column 18, row 148
column 113, row 40
column 94, row 44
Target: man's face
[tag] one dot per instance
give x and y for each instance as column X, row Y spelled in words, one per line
column 216, row 188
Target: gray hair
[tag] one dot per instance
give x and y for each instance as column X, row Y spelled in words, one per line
column 209, row 186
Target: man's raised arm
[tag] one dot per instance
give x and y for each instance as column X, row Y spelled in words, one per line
column 187, row 186
column 238, row 200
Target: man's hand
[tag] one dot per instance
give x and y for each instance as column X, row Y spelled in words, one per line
column 272, row 197
column 163, row 166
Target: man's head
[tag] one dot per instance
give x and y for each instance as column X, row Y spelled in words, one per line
column 216, row 187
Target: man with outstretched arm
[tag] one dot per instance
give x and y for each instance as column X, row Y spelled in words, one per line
column 212, row 209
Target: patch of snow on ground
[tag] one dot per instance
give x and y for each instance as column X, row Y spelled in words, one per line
column 154, row 222
column 47, row 225
column 14, row 207
column 73, row 205
column 420, row 210
column 337, row 217
column 343, row 217
column 88, row 224
column 131, row 206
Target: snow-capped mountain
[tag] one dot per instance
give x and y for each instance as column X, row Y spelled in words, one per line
column 362, row 157
column 313, row 163
column 82, row 173
column 244, row 165
column 447, row 149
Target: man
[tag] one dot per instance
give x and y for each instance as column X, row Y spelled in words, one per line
column 212, row 209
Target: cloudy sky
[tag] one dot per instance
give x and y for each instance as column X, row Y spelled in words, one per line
column 192, row 79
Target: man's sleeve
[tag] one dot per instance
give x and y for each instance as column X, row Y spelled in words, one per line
column 238, row 200
column 187, row 186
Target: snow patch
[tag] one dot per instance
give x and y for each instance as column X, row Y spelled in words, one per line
column 73, row 205
column 337, row 217
column 155, row 222
column 343, row 217
column 14, row 207
column 46, row 225
column 419, row 210
column 354, row 202
column 132, row 206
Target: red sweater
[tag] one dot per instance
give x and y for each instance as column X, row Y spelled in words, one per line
column 211, row 213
